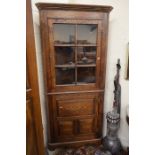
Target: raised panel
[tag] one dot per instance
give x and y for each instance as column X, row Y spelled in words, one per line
column 65, row 128
column 86, row 126
column 76, row 107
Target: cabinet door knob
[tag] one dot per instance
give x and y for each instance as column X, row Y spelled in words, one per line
column 61, row 107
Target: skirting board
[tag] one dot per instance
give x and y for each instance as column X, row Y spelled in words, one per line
column 52, row 146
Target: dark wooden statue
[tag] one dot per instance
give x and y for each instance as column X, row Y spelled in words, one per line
column 111, row 141
column 117, row 91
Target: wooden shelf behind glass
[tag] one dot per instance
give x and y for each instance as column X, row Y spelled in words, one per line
column 78, row 45
column 71, row 66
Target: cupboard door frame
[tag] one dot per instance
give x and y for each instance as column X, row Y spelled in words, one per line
column 72, row 87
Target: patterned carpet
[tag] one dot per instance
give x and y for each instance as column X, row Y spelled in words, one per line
column 84, row 150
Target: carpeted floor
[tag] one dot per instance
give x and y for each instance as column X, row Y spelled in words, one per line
column 86, row 150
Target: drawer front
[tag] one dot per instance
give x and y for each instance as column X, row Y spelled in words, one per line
column 76, row 107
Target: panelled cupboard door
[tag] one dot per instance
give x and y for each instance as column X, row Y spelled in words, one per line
column 34, row 128
column 76, row 116
column 74, row 47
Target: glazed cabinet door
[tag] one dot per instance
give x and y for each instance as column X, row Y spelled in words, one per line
column 74, row 53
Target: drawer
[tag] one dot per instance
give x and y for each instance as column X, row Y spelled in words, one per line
column 76, row 107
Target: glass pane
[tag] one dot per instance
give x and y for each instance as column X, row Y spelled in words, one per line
column 65, row 75
column 64, row 55
column 86, row 74
column 86, row 34
column 86, row 55
column 64, row 33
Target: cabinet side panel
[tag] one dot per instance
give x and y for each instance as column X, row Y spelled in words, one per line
column 46, row 68
column 104, row 42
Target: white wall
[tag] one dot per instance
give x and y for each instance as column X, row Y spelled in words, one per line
column 117, row 45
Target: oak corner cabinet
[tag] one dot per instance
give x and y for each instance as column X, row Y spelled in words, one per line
column 74, row 47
